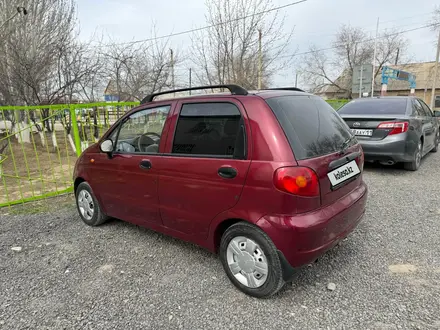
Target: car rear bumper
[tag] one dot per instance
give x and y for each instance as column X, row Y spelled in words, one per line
column 301, row 239
column 392, row 148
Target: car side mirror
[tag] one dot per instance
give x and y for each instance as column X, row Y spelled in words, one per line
column 107, row 146
column 437, row 114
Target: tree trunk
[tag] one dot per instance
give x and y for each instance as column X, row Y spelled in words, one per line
column 72, row 143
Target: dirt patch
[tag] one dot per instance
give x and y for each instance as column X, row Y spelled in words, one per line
column 402, row 268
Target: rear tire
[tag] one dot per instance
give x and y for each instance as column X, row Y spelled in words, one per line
column 88, row 206
column 415, row 164
column 437, row 142
column 251, row 261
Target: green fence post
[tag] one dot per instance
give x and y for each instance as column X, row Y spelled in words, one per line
column 76, row 137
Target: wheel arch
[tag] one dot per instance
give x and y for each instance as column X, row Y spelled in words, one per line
column 221, row 228
column 77, row 182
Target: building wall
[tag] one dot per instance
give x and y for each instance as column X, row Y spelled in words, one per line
column 420, row 93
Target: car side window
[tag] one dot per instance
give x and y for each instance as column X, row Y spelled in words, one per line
column 210, row 130
column 418, row 109
column 141, row 131
column 426, row 109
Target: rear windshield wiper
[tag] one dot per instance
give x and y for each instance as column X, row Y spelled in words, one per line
column 345, row 144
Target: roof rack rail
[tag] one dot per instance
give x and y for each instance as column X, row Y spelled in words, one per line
column 296, row 89
column 234, row 89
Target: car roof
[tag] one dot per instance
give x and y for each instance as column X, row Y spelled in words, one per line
column 373, row 99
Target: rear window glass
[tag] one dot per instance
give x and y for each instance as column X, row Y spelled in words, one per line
column 375, row 107
column 311, row 125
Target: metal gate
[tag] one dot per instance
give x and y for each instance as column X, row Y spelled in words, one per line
column 40, row 144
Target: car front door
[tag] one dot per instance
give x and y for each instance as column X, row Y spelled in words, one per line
column 205, row 166
column 127, row 180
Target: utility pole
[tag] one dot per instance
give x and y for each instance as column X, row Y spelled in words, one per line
column 190, row 82
column 260, row 60
column 172, row 68
column 296, row 79
column 434, row 80
column 360, row 82
column 397, row 56
column 374, row 58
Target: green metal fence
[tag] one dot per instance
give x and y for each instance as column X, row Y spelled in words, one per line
column 40, row 144
column 337, row 104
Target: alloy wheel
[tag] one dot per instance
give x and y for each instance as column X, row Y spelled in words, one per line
column 419, row 154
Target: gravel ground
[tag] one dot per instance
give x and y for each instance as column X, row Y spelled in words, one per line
column 119, row 276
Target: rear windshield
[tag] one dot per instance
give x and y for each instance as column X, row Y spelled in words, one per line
column 311, row 125
column 375, row 107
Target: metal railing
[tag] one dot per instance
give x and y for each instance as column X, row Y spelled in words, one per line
column 39, row 145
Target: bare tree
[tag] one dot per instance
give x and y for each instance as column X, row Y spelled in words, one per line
column 33, row 53
column 351, row 47
column 137, row 69
column 436, row 19
column 228, row 52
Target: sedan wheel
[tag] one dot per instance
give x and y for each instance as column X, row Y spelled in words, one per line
column 437, row 142
column 419, row 154
column 415, row 164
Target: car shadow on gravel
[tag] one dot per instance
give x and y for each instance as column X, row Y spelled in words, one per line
column 396, row 168
column 121, row 225
column 343, row 258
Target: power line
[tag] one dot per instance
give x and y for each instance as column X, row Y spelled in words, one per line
column 360, row 42
column 211, row 26
column 315, row 34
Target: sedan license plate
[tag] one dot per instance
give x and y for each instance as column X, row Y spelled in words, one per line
column 362, row 132
column 343, row 173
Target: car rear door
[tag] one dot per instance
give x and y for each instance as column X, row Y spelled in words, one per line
column 429, row 121
column 205, row 165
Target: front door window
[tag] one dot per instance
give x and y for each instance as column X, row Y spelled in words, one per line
column 141, row 132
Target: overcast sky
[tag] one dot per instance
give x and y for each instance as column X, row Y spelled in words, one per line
column 315, row 21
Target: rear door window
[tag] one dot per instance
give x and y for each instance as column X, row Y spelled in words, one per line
column 311, row 125
column 419, row 109
column 426, row 109
column 375, row 107
column 210, row 130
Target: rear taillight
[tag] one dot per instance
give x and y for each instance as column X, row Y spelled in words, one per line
column 395, row 127
column 301, row 181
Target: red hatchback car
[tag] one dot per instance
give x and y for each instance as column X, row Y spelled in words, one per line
column 269, row 180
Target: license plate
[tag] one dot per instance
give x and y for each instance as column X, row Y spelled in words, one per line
column 343, row 173
column 362, row 132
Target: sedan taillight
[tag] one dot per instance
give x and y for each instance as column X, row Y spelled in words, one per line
column 395, row 127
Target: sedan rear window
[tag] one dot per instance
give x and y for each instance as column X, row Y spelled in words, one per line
column 375, row 107
column 311, row 125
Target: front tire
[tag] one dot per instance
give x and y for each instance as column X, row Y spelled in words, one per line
column 88, row 206
column 251, row 261
column 415, row 164
column 437, row 142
